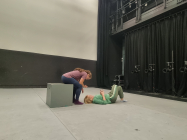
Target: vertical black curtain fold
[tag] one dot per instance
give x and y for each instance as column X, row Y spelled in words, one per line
column 154, row 44
column 102, row 43
column 109, row 48
column 100, row 51
column 183, row 84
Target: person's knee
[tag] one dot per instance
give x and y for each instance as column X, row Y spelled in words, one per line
column 119, row 88
column 79, row 86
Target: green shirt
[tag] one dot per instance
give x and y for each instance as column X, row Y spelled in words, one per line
column 98, row 99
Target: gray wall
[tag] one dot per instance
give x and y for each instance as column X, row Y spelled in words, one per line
column 42, row 39
column 56, row 27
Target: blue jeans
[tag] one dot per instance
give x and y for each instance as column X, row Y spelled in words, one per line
column 77, row 87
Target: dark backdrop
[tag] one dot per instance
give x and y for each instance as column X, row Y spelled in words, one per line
column 109, row 49
column 23, row 69
column 153, row 44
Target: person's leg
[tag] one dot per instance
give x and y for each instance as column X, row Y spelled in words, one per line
column 114, row 93
column 120, row 92
column 66, row 80
column 76, row 88
column 121, row 95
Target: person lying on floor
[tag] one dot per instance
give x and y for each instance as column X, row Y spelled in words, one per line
column 104, row 99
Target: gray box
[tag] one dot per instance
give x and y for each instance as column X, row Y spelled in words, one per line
column 59, row 95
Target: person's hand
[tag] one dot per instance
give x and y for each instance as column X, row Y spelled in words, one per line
column 85, row 86
column 82, row 90
column 102, row 92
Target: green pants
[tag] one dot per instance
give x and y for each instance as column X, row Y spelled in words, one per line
column 115, row 91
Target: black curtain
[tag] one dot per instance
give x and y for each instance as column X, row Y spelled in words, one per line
column 102, row 43
column 109, row 49
column 153, row 44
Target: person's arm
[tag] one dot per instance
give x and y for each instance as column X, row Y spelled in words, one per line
column 82, row 83
column 104, row 97
column 103, row 94
column 99, row 101
column 82, row 90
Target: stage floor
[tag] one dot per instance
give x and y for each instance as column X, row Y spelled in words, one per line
column 25, row 116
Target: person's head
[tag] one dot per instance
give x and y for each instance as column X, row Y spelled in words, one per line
column 89, row 74
column 88, row 99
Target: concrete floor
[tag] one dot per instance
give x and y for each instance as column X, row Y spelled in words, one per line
column 25, row 116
